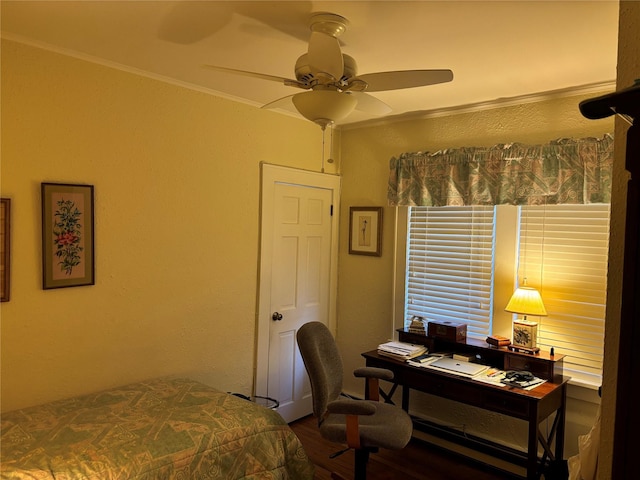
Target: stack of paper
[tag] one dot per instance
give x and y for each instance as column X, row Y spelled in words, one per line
column 400, row 350
column 423, row 360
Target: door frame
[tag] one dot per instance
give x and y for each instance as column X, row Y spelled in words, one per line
column 270, row 175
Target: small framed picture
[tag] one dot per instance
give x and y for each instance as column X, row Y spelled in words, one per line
column 67, row 235
column 5, row 248
column 365, row 231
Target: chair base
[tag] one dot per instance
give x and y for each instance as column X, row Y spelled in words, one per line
column 360, row 465
column 362, row 458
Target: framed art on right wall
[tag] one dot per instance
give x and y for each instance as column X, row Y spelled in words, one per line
column 365, row 231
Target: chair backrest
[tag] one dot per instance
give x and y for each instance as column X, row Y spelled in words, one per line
column 323, row 363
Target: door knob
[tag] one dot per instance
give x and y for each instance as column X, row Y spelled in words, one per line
column 276, row 316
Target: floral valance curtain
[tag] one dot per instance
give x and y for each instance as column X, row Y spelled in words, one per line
column 560, row 172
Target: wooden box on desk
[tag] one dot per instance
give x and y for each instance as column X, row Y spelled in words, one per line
column 453, row 332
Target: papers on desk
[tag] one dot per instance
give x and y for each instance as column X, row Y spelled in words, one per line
column 493, row 376
column 401, row 350
column 490, row 375
column 496, row 377
column 424, row 360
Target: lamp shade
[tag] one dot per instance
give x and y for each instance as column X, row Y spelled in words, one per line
column 324, row 106
column 526, row 301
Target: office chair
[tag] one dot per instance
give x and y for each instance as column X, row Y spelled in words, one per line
column 364, row 425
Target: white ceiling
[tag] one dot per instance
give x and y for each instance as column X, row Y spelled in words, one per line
column 497, row 50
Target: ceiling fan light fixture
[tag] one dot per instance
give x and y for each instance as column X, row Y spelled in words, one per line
column 324, row 107
column 334, row 88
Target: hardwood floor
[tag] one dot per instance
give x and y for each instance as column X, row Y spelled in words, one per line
column 417, row 461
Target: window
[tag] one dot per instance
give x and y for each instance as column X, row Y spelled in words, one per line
column 561, row 249
column 450, row 266
column 564, row 251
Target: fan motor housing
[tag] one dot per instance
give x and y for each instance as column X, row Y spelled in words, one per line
column 305, row 74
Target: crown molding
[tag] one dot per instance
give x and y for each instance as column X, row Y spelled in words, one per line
column 586, row 89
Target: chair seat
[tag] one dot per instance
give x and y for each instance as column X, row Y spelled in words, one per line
column 390, row 427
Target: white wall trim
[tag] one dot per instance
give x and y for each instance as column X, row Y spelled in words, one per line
column 587, row 89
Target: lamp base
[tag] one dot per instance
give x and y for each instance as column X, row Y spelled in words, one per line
column 521, row 349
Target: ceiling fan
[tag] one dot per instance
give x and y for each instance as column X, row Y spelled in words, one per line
column 334, row 89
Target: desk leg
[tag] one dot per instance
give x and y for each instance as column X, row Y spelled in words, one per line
column 561, row 421
column 532, row 446
column 556, row 434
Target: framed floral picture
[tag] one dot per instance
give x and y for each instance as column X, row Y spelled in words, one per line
column 67, row 235
column 365, row 231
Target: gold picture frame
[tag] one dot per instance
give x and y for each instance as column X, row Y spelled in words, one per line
column 5, row 249
column 365, row 231
column 67, row 235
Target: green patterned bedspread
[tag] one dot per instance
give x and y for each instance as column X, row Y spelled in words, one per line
column 161, row 429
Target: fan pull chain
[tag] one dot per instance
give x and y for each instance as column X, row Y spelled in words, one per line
column 330, row 160
column 323, row 129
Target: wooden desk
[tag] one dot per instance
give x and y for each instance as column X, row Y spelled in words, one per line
column 532, row 406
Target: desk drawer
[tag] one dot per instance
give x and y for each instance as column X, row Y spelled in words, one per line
column 507, row 404
column 531, row 364
column 452, row 390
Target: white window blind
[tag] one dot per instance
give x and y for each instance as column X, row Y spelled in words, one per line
column 563, row 252
column 450, row 266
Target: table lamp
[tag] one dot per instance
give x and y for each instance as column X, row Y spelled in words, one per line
column 526, row 301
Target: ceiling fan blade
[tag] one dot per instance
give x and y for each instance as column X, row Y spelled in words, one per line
column 370, row 104
column 325, row 56
column 381, row 81
column 284, row 103
column 286, row 81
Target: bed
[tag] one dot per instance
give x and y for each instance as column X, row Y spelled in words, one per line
column 160, row 429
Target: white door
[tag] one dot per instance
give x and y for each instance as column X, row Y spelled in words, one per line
column 297, row 283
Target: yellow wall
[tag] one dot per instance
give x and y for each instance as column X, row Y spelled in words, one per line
column 176, row 176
